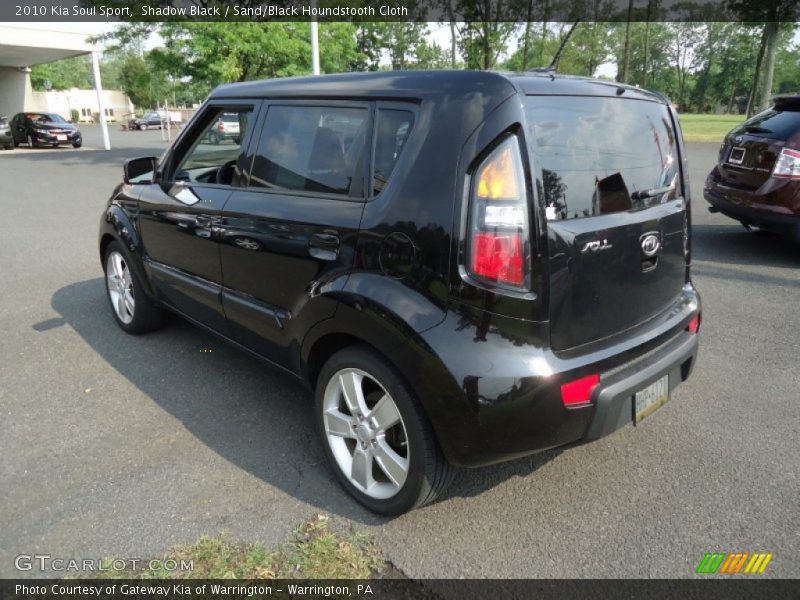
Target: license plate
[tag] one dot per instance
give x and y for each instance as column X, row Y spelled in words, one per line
column 650, row 398
column 61, row 138
column 736, row 157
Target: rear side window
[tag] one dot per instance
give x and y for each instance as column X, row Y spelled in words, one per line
column 311, row 148
column 597, row 154
column 393, row 128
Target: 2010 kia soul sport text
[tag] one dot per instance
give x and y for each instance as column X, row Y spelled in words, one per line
column 466, row 267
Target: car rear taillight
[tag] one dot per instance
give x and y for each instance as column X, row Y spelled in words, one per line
column 221, row 126
column 787, row 165
column 694, row 324
column 498, row 218
column 579, row 392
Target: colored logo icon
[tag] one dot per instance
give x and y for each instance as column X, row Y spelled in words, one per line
column 734, row 563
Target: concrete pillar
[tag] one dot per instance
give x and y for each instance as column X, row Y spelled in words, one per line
column 14, row 90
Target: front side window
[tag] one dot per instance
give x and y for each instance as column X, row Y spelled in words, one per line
column 392, row 129
column 213, row 154
column 310, row 148
column 601, row 155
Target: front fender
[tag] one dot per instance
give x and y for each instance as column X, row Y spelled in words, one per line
column 123, row 227
column 118, row 225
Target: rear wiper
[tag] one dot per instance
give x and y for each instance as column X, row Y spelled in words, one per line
column 757, row 129
column 651, row 193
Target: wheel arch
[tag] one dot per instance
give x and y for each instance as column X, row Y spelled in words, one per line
column 406, row 351
column 117, row 226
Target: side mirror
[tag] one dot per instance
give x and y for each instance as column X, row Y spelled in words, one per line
column 139, row 170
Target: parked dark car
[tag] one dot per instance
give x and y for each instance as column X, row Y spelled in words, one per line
column 466, row 267
column 6, row 141
column 149, row 120
column 757, row 177
column 38, row 129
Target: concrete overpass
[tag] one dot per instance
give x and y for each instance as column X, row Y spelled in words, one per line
column 22, row 48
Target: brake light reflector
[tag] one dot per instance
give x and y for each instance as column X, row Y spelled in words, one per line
column 694, row 324
column 787, row 165
column 497, row 244
column 578, row 392
column 497, row 256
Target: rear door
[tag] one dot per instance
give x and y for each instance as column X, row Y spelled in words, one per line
column 616, row 215
column 294, row 227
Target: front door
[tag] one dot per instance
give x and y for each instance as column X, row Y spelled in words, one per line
column 180, row 213
column 293, row 230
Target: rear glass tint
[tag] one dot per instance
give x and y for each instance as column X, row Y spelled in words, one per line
column 596, row 153
column 780, row 122
column 311, row 148
column 392, row 132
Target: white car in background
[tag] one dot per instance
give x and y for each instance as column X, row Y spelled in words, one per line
column 226, row 128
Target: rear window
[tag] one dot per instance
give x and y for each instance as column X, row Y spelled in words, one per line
column 596, row 153
column 393, row 129
column 780, row 122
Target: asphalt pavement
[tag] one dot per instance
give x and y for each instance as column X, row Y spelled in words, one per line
column 123, row 446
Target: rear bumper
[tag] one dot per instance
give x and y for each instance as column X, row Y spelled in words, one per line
column 772, row 211
column 613, row 398
column 492, row 396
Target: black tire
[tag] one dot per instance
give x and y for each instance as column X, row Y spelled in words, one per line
column 428, row 474
column 147, row 316
column 77, row 144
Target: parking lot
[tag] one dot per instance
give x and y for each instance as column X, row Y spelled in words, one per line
column 122, row 446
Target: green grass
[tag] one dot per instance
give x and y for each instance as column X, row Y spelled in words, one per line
column 708, row 128
column 314, row 551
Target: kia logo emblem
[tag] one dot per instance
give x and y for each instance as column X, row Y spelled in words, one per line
column 650, row 244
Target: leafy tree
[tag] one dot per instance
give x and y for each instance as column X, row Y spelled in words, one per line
column 405, row 44
column 64, row 74
column 590, row 45
column 142, row 81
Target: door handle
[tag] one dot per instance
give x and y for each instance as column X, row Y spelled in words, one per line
column 324, row 246
column 324, row 240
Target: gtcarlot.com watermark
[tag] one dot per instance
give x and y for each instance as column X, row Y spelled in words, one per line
column 46, row 562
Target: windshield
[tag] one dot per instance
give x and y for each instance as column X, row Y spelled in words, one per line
column 601, row 155
column 45, row 118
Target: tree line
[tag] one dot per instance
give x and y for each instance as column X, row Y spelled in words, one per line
column 731, row 67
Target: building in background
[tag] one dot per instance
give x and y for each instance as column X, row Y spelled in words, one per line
column 118, row 107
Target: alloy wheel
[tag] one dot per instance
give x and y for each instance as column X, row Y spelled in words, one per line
column 120, row 287
column 366, row 433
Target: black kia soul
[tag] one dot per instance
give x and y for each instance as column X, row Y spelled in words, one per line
column 466, row 267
